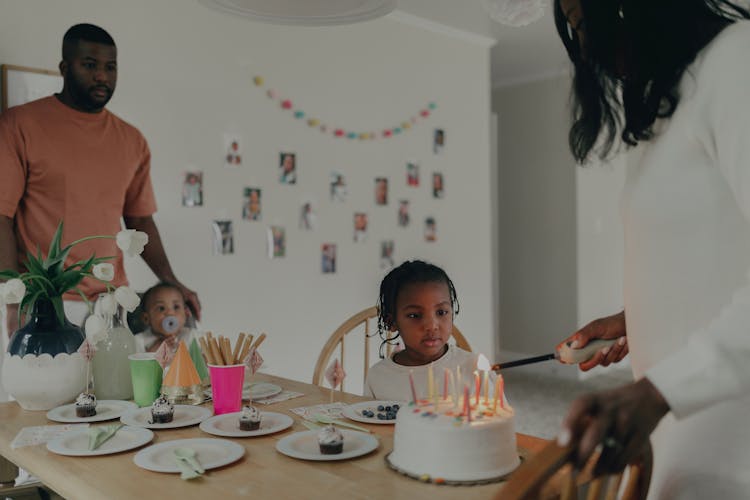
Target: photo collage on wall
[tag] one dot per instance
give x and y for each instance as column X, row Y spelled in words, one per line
column 222, row 229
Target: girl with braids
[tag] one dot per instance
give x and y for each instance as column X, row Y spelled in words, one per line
column 673, row 77
column 418, row 301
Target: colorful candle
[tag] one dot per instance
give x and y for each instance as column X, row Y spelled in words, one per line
column 454, row 392
column 502, row 390
column 467, row 403
column 497, row 392
column 486, row 387
column 430, row 382
column 413, row 390
column 459, row 379
column 478, row 386
column 445, row 384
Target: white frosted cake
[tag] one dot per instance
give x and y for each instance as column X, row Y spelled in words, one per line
column 444, row 446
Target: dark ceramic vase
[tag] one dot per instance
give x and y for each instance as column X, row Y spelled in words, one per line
column 43, row 334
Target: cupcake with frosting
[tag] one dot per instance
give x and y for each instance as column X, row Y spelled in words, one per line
column 331, row 440
column 249, row 419
column 162, row 411
column 85, row 405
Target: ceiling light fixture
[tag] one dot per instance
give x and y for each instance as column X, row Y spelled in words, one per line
column 305, row 12
column 514, row 12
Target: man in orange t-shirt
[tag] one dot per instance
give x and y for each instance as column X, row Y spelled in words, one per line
column 65, row 157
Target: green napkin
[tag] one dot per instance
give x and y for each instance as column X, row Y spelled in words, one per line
column 197, row 356
column 98, row 435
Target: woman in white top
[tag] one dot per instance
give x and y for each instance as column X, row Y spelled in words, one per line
column 673, row 77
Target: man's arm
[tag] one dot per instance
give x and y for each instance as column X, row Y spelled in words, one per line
column 9, row 260
column 156, row 258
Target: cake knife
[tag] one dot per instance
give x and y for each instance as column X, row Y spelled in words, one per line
column 565, row 354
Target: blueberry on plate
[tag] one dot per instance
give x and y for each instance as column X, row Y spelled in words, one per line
column 380, row 408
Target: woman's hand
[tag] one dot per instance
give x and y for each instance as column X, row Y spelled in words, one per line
column 610, row 327
column 621, row 420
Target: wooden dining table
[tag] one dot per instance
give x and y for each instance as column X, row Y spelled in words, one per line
column 262, row 472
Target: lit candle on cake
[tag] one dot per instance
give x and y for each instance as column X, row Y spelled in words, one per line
column 467, row 403
column 413, row 390
column 484, row 364
column 445, row 384
column 478, row 386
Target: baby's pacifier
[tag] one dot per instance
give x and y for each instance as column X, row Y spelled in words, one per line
column 170, row 324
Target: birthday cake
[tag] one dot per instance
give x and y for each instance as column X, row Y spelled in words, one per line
column 441, row 444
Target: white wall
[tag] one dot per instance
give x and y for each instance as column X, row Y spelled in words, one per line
column 186, row 78
column 560, row 234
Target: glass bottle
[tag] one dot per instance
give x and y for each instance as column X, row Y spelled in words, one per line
column 110, row 365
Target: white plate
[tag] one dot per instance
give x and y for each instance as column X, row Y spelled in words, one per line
column 228, row 424
column 106, row 409
column 184, row 416
column 304, row 445
column 354, row 411
column 76, row 443
column 258, row 390
column 210, row 452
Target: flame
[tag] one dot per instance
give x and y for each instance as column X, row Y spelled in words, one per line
column 483, row 363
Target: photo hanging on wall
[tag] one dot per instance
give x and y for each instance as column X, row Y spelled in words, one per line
column 328, row 258
column 386, row 254
column 403, row 213
column 251, row 206
column 381, row 191
column 232, row 150
column 438, row 141
column 192, row 189
column 222, row 237
column 276, row 242
column 288, row 168
column 360, row 227
column 338, row 187
column 412, row 174
column 307, row 216
column 430, row 229
column 438, row 186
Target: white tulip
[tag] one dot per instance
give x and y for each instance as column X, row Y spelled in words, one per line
column 13, row 291
column 104, row 271
column 96, row 329
column 127, row 298
column 106, row 305
column 131, row 242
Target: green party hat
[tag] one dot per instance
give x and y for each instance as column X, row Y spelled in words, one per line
column 199, row 362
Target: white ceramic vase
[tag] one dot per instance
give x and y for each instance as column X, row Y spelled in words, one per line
column 43, row 382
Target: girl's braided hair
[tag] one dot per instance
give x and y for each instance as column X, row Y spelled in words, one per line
column 414, row 271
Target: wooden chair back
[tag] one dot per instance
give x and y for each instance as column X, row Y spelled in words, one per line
column 366, row 321
column 548, row 474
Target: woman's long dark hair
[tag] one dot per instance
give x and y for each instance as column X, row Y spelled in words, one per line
column 635, row 53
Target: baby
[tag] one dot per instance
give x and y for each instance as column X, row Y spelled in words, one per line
column 165, row 313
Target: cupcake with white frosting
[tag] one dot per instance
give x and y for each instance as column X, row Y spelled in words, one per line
column 249, row 419
column 162, row 411
column 85, row 405
column 331, row 440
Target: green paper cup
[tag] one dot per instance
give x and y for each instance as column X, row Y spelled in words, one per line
column 146, row 374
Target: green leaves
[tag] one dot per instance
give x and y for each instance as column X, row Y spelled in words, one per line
column 49, row 278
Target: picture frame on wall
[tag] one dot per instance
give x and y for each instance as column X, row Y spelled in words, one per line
column 22, row 84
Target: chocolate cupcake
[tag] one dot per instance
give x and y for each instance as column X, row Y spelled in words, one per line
column 162, row 411
column 85, row 405
column 331, row 440
column 249, row 419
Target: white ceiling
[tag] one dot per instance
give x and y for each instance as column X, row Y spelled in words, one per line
column 520, row 54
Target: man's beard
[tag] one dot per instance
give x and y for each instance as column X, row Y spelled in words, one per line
column 83, row 98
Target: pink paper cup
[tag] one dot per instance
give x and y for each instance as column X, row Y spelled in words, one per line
column 226, row 387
